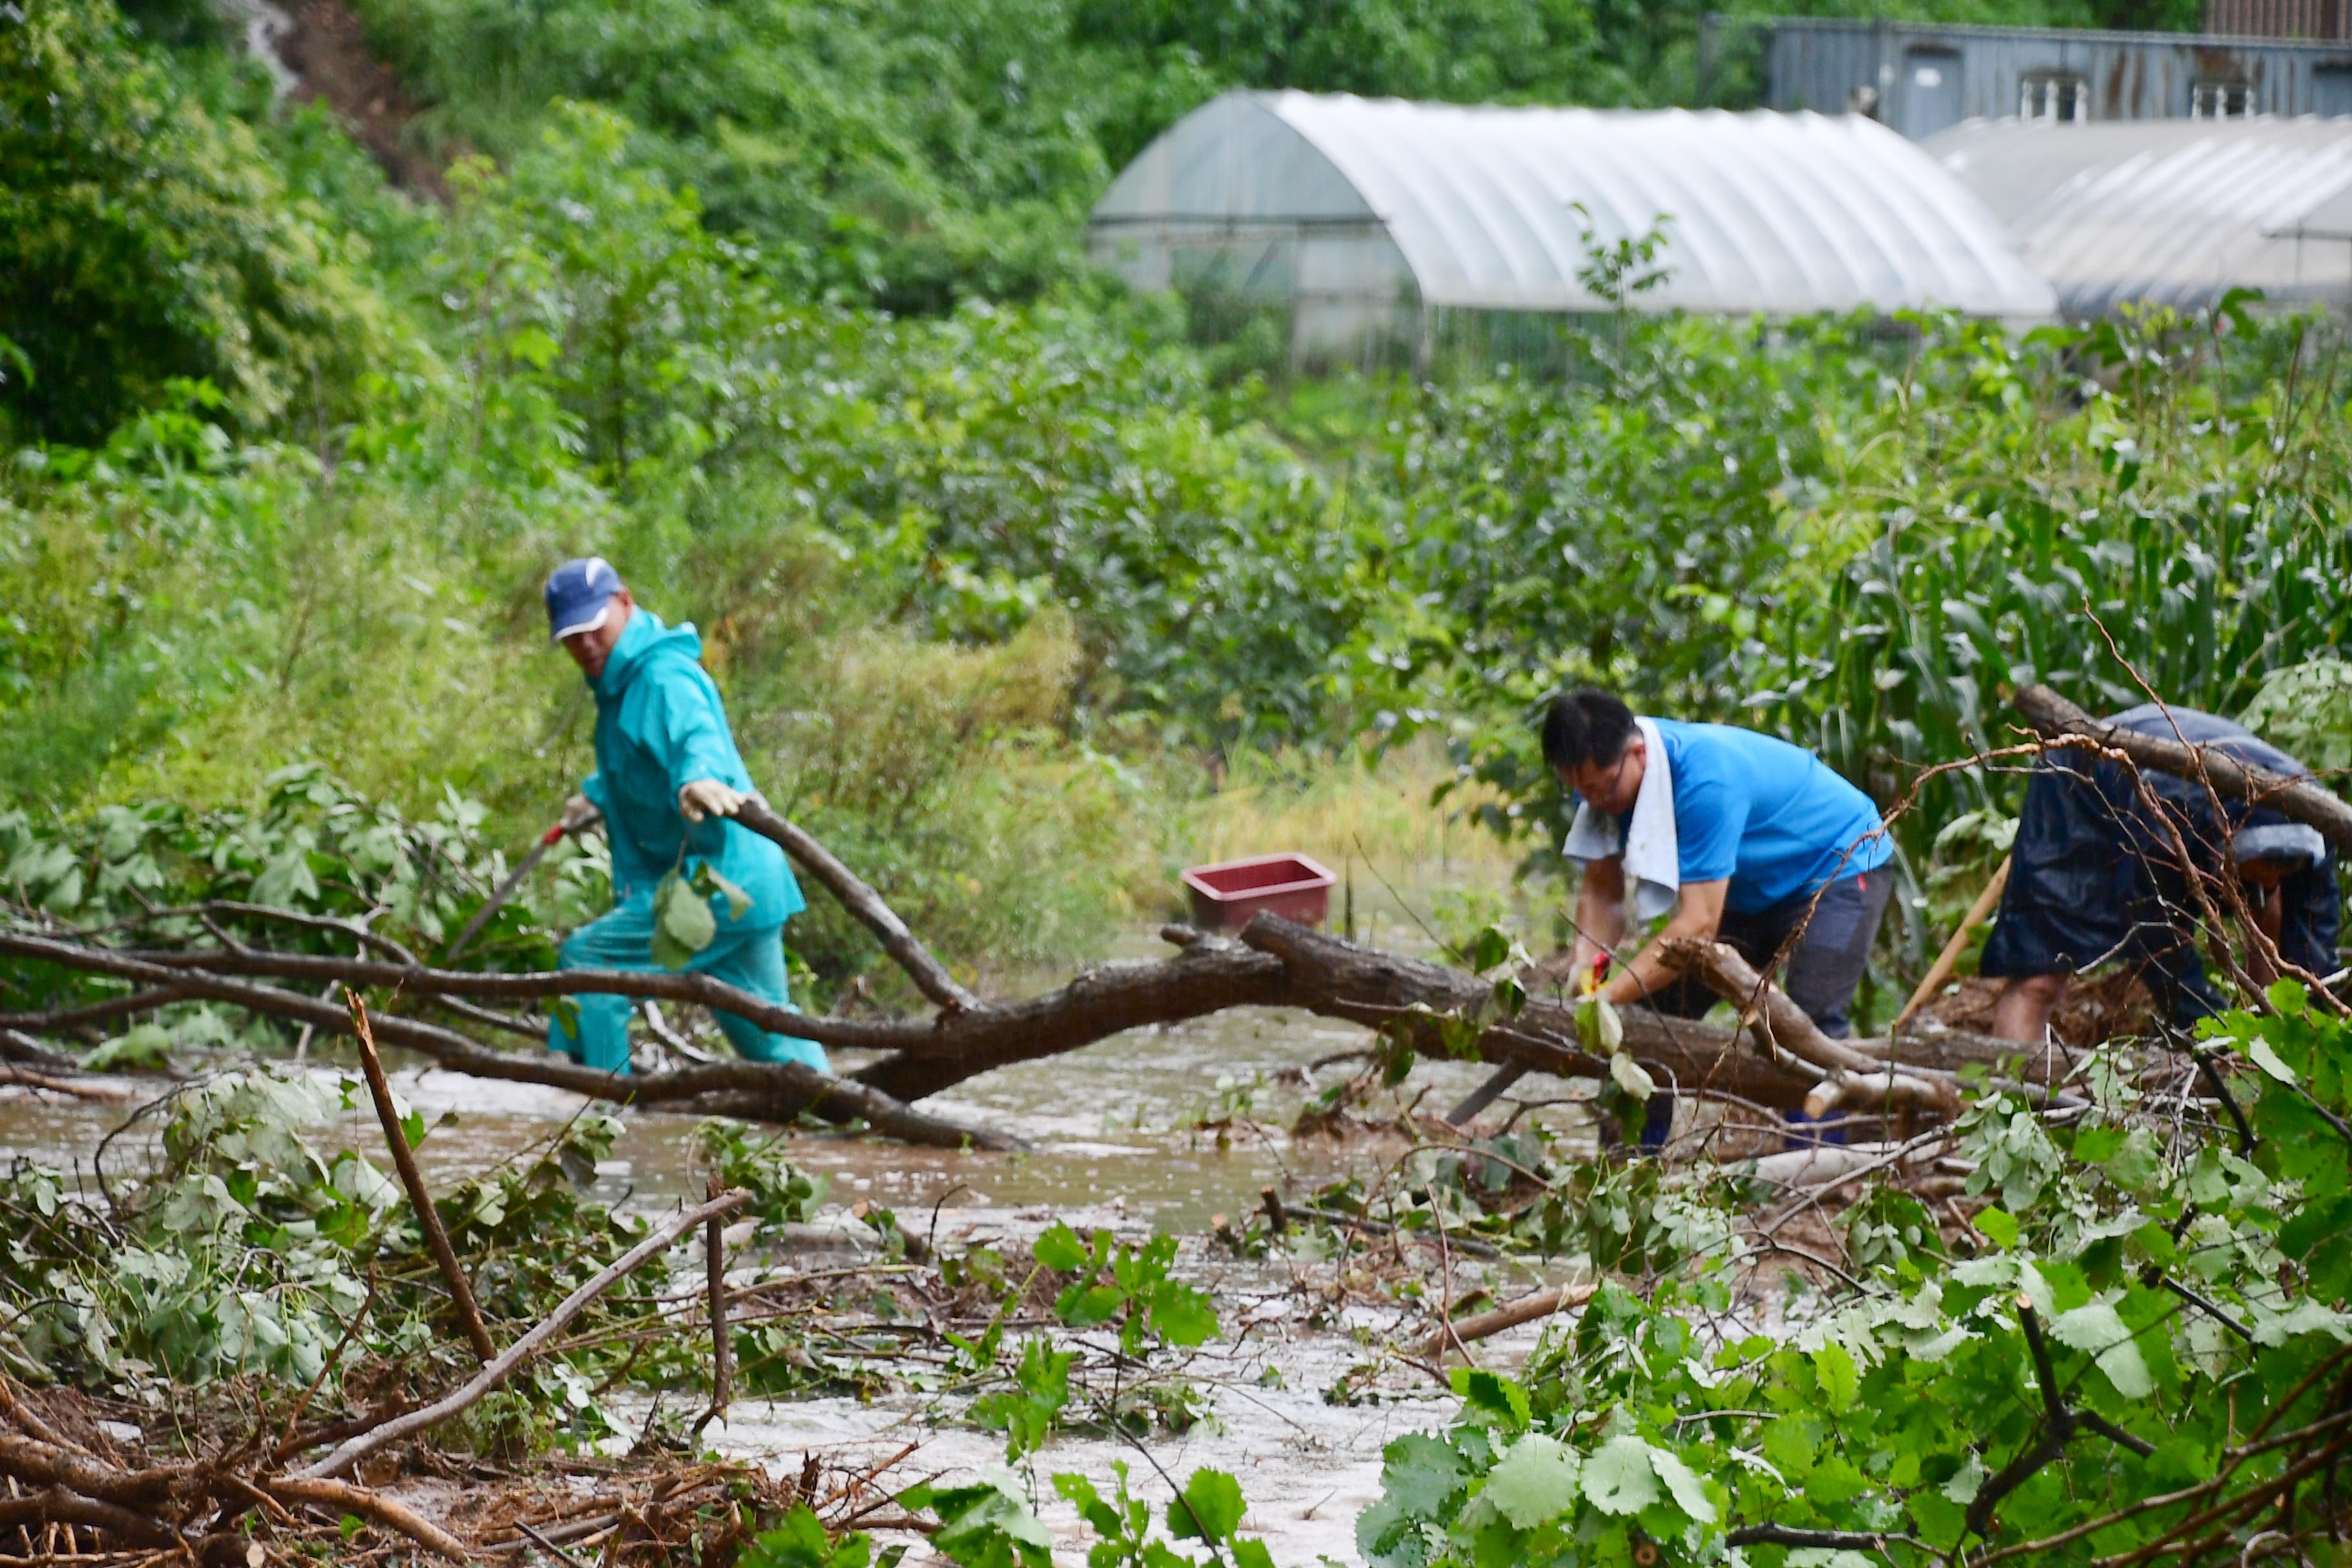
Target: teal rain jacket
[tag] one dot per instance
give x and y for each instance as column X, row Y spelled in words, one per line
column 659, row 727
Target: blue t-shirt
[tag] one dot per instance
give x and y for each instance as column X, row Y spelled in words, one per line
column 1765, row 814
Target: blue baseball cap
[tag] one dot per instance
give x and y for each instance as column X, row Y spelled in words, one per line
column 579, row 595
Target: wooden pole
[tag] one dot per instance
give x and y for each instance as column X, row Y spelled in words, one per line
column 1948, row 959
column 428, row 1218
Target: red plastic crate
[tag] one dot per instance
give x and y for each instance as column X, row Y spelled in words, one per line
column 1225, row 895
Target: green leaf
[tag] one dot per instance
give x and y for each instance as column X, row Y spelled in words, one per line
column 1998, row 1226
column 1088, row 1305
column 802, row 1543
column 1630, row 1076
column 1496, row 1395
column 1420, row 1472
column 1535, row 1481
column 2096, row 1330
column 987, row 1524
column 1510, row 996
column 2096, row 1145
column 1060, row 1250
column 1839, row 1378
column 1211, row 1508
column 1089, row 1503
column 683, row 923
column 1249, row 1554
column 2263, row 1056
column 1689, row 1495
column 141, row 1046
column 1618, row 1477
column 708, row 882
column 1602, row 1030
column 1182, row 1315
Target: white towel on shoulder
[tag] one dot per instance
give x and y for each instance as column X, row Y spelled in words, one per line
column 1652, row 854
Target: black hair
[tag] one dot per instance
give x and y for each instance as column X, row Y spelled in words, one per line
column 1586, row 728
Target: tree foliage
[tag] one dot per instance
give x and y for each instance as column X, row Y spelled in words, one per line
column 143, row 240
column 912, row 156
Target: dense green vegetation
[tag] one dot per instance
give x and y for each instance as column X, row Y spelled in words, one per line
column 2135, row 1352
column 296, row 448
column 780, row 307
column 910, row 154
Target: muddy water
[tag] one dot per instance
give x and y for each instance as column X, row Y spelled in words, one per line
column 1117, row 1140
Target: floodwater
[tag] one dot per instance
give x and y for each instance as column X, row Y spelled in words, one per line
column 1117, row 1140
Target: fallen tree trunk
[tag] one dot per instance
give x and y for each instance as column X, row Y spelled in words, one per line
column 1430, row 1009
column 1426, row 1005
column 770, row 1092
column 1435, row 1011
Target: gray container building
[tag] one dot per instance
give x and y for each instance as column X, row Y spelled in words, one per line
column 1920, row 79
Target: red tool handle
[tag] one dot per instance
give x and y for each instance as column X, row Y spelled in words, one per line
column 552, row 835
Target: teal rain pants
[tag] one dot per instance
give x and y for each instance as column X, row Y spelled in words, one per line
column 751, row 960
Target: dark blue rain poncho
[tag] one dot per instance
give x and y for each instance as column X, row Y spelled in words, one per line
column 2095, row 875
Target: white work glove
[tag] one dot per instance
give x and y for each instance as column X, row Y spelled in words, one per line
column 578, row 813
column 709, row 797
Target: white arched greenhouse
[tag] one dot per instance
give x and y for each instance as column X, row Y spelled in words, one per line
column 1367, row 221
column 2171, row 212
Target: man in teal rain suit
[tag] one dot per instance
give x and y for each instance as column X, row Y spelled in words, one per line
column 667, row 778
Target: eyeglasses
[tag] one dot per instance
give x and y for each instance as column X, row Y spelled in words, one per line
column 1616, row 777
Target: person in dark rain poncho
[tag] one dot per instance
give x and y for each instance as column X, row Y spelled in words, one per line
column 2096, row 874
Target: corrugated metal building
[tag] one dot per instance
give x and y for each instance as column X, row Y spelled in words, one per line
column 1363, row 217
column 1921, row 79
column 2279, row 18
column 2175, row 212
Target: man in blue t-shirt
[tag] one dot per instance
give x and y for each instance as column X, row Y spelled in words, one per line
column 1735, row 835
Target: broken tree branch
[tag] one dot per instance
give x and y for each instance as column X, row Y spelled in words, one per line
column 1852, row 1076
column 462, row 1399
column 771, row 1091
column 2062, row 1421
column 929, row 975
column 113, row 1007
column 62, row 1505
column 344, row 1497
column 1275, row 963
column 722, row 1358
column 403, row 1159
column 1510, row 1315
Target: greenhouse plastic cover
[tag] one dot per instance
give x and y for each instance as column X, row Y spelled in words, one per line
column 2172, row 211
column 1779, row 214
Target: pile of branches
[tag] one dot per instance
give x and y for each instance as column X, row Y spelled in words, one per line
column 211, row 1508
column 117, row 1509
